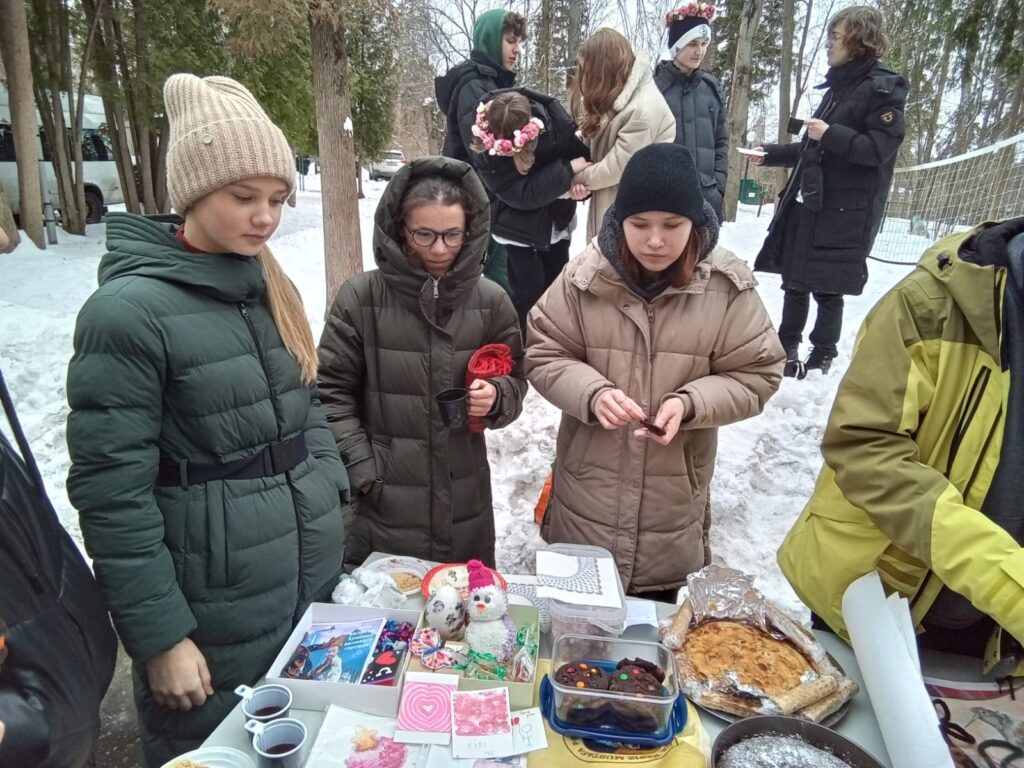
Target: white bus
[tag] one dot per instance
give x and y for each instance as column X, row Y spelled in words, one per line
column 102, row 184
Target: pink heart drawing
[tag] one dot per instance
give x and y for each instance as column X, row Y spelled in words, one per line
column 425, row 707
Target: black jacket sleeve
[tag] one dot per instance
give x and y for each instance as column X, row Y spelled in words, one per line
column 526, row 192
column 884, row 126
column 785, row 155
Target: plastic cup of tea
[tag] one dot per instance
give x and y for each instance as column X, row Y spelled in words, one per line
column 279, row 743
column 265, row 702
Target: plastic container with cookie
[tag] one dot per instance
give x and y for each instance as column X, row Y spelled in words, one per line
column 739, row 655
column 607, row 689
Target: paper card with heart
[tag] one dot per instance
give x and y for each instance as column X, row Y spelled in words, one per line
column 424, row 713
column 481, row 724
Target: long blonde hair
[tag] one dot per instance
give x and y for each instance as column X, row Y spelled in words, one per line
column 603, row 66
column 289, row 316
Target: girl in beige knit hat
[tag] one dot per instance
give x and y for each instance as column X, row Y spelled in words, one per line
column 208, row 484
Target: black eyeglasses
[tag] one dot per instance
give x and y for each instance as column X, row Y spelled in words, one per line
column 427, row 237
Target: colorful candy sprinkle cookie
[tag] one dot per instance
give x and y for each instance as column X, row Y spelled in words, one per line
column 635, row 680
column 647, row 666
column 580, row 674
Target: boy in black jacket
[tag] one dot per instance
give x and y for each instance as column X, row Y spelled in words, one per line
column 497, row 35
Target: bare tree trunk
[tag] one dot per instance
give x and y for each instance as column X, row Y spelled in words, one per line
column 342, row 244
column 106, row 76
column 144, row 147
column 739, row 99
column 1015, row 119
column 7, row 222
column 163, row 199
column 17, row 61
column 785, row 81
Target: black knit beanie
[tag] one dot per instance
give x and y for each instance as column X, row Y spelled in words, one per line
column 660, row 177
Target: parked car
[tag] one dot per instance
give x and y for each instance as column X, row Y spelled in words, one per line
column 387, row 166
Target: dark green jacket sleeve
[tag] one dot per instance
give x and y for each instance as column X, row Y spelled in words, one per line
column 342, row 376
column 115, row 386
column 512, row 388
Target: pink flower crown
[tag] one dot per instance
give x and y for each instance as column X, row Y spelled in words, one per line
column 505, row 147
column 707, row 10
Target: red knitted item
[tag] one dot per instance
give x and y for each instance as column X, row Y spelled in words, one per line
column 487, row 362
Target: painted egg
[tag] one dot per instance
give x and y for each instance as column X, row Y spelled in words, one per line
column 446, row 612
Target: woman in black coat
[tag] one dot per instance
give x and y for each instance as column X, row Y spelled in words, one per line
column 527, row 152
column 830, row 211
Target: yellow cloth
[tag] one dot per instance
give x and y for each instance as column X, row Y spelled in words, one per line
column 691, row 748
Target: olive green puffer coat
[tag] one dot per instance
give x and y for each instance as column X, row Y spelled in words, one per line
column 177, row 356
column 395, row 338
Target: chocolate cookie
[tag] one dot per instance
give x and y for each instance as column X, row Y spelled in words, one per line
column 580, row 674
column 646, row 666
column 636, row 680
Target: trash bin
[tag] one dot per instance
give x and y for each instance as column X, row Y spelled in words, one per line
column 751, row 192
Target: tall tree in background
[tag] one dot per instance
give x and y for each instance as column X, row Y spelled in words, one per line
column 739, row 97
column 14, row 47
column 785, row 81
column 373, row 67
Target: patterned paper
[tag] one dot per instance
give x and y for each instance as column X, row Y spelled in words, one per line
column 424, row 714
column 482, row 725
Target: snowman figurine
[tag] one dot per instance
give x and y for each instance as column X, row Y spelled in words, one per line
column 490, row 630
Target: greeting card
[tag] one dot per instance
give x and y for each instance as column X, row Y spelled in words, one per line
column 481, row 724
column 424, row 713
column 336, row 653
column 349, row 739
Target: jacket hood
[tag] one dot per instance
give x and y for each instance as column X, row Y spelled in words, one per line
column 138, row 246
column 479, row 63
column 487, row 36
column 638, row 76
column 969, row 264
column 608, row 242
column 412, row 279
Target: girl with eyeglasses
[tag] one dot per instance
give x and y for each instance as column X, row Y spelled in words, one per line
column 396, row 337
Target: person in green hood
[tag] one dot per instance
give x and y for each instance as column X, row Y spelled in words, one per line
column 208, row 485
column 397, row 336
column 497, row 36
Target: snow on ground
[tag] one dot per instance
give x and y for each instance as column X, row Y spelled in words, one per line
column 766, row 466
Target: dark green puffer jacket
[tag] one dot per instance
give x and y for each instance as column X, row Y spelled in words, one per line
column 394, row 338
column 177, row 355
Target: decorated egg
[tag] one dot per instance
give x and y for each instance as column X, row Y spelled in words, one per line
column 446, row 612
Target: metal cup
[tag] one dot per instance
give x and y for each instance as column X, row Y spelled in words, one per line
column 454, row 407
column 265, row 702
column 279, row 743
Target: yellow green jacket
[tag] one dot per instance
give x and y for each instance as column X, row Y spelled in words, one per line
column 910, row 450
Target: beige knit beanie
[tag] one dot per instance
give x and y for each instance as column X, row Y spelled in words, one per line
column 219, row 135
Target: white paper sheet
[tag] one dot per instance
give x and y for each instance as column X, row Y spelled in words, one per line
column 641, row 612
column 578, row 580
column 892, row 675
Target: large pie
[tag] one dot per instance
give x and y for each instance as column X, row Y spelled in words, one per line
column 741, row 669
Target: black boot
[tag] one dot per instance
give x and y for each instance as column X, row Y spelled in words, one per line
column 794, row 368
column 819, row 360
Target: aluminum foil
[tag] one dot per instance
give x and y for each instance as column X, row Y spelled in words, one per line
column 717, row 592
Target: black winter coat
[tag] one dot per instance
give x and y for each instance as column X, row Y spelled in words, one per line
column 699, row 109
column 458, row 93
column 61, row 647
column 524, row 206
column 844, row 180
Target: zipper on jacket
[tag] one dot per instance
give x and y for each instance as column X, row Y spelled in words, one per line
column 971, row 405
column 263, row 364
column 981, row 454
column 650, row 333
column 435, row 287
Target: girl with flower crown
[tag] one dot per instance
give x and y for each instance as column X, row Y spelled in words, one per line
column 526, row 152
column 695, row 97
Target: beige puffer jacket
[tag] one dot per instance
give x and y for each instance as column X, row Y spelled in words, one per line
column 640, row 116
column 710, row 341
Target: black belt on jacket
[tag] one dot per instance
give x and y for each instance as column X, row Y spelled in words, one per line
column 274, row 459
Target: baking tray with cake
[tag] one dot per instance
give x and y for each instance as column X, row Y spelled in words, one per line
column 613, row 691
column 739, row 655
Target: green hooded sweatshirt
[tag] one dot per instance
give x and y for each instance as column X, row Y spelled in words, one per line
column 487, row 37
